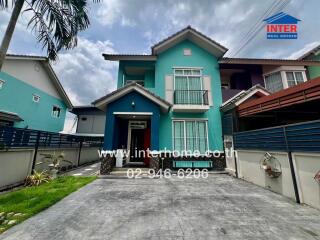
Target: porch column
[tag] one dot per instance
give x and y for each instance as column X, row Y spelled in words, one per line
column 155, row 119
column 109, row 131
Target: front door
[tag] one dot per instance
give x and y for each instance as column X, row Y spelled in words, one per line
column 137, row 145
column 138, row 141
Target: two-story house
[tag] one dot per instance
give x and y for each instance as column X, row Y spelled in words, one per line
column 172, row 98
column 31, row 95
column 167, row 100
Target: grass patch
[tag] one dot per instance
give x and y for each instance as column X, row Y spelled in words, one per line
column 21, row 204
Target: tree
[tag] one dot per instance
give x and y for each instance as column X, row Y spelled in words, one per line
column 55, row 22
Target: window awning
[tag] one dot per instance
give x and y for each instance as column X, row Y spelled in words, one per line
column 10, row 116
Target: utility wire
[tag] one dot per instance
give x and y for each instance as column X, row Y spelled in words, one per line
column 274, row 8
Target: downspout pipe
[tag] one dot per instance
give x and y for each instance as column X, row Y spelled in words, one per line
column 293, row 174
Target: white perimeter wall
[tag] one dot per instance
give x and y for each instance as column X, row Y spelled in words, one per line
column 306, row 166
column 16, row 164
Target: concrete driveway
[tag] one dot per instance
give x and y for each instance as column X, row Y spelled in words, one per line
column 219, row 207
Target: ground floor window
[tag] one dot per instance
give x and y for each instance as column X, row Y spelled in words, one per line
column 190, row 135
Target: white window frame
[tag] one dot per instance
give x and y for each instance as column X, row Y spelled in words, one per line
column 36, row 98
column 2, row 82
column 294, row 76
column 185, row 131
column 192, row 75
column 284, row 79
column 52, row 112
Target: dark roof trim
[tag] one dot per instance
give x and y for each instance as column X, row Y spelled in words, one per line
column 10, row 116
column 102, row 102
column 80, row 109
column 263, row 61
column 303, row 92
column 26, row 57
column 186, row 30
column 129, row 57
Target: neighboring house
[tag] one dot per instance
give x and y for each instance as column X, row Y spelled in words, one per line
column 313, row 54
column 31, row 95
column 171, row 98
column 90, row 120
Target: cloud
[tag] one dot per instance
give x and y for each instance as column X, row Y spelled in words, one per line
column 84, row 73
column 112, row 11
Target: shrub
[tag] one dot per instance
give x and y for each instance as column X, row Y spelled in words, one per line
column 37, row 178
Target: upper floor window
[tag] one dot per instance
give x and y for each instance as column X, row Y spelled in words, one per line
column 56, row 111
column 35, row 98
column 1, row 83
column 188, row 86
column 273, row 82
column 190, row 135
column 283, row 79
column 294, row 78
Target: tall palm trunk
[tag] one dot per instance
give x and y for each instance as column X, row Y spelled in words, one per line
column 10, row 29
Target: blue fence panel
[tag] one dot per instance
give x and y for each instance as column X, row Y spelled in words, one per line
column 295, row 137
column 19, row 137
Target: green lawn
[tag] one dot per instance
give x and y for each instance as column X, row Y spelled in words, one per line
column 24, row 203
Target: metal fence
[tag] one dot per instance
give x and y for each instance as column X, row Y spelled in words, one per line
column 11, row 137
column 304, row 137
column 197, row 97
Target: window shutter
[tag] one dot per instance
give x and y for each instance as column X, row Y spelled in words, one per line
column 169, row 88
column 207, row 86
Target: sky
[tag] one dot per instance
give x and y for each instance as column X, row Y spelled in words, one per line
column 133, row 26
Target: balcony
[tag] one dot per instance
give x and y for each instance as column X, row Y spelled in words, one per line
column 190, row 101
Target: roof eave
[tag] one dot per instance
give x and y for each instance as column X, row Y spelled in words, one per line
column 102, row 103
column 280, row 62
column 120, row 57
column 25, row 57
column 58, row 85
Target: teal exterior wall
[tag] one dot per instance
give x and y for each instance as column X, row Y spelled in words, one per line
column 148, row 77
column 174, row 57
column 16, row 96
column 314, row 71
column 155, row 82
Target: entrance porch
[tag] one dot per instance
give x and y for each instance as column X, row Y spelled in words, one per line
column 132, row 121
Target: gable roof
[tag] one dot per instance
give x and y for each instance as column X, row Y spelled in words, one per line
column 312, row 51
column 244, row 95
column 52, row 75
column 136, row 57
column 102, row 103
column 193, row 35
column 282, row 18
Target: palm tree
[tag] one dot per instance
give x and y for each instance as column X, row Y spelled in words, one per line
column 55, row 22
